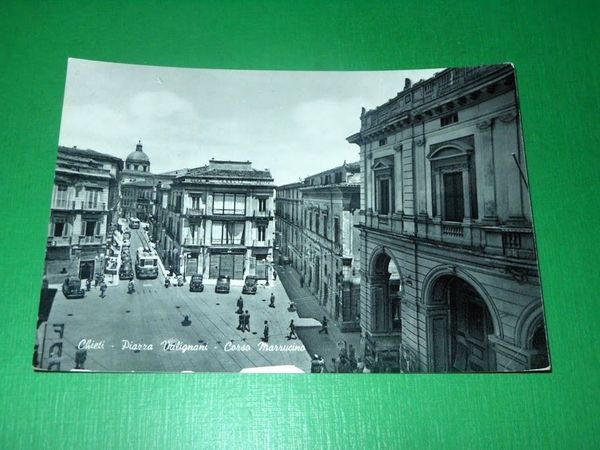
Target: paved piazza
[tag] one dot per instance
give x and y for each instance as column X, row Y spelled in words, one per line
column 125, row 326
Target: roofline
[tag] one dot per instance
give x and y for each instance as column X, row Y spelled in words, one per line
column 93, row 152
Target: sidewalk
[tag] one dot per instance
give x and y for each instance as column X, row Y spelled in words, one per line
column 326, row 345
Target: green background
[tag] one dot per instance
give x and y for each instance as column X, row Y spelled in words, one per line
column 556, row 50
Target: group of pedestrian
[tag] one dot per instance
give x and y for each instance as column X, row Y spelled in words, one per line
column 346, row 361
column 244, row 321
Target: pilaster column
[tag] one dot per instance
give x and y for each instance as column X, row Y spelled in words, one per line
column 485, row 151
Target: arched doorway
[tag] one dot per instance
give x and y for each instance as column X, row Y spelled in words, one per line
column 386, row 295
column 538, row 347
column 460, row 325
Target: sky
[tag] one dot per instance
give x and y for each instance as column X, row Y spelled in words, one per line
column 293, row 123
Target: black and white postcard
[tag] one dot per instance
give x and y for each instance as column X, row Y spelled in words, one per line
column 293, row 222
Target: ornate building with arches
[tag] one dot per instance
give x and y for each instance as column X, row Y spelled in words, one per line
column 450, row 280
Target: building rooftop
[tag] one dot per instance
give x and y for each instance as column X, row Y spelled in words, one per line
column 87, row 153
column 138, row 183
column 228, row 170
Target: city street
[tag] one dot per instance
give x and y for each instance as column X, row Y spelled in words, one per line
column 144, row 331
column 328, row 345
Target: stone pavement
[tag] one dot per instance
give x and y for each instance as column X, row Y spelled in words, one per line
column 326, row 345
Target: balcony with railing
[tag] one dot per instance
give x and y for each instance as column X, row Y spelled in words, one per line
column 63, row 203
column 192, row 242
column 92, row 240
column 59, row 241
column 92, row 206
column 266, row 213
column 194, row 212
column 258, row 243
column 72, row 205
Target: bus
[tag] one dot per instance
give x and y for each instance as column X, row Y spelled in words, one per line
column 134, row 223
column 146, row 263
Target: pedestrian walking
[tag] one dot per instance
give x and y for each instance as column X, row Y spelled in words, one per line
column 292, row 333
column 241, row 322
column 80, row 357
column 352, row 355
column 103, row 288
column 266, row 332
column 88, row 284
column 247, row 321
column 274, row 276
column 324, row 326
column 240, row 305
column 186, row 321
column 301, row 281
column 317, row 364
column 272, row 301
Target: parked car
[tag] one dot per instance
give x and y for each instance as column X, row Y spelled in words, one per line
column 72, row 288
column 196, row 284
column 126, row 272
column 250, row 284
column 223, row 285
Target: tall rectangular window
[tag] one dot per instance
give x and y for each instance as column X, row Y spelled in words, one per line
column 384, row 196
column 196, row 201
column 262, row 204
column 317, row 224
column 59, row 227
column 325, row 220
column 90, row 228
column 262, row 233
column 336, row 230
column 454, row 202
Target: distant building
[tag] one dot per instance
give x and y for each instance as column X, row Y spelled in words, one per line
column 137, row 187
column 83, row 209
column 450, row 279
column 317, row 237
column 217, row 220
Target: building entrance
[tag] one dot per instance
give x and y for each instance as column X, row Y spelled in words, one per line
column 86, row 269
column 459, row 332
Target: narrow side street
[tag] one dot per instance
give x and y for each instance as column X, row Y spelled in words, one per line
column 327, row 345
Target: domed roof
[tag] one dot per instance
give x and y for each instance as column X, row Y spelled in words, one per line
column 138, row 156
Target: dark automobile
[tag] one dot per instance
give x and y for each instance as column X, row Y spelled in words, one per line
column 250, row 285
column 222, row 285
column 72, row 288
column 126, row 272
column 196, row 284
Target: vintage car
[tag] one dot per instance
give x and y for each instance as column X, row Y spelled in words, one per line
column 126, row 271
column 196, row 284
column 250, row 284
column 71, row 288
column 222, row 285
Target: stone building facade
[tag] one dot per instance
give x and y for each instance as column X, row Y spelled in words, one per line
column 84, row 204
column 217, row 220
column 315, row 222
column 450, row 279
